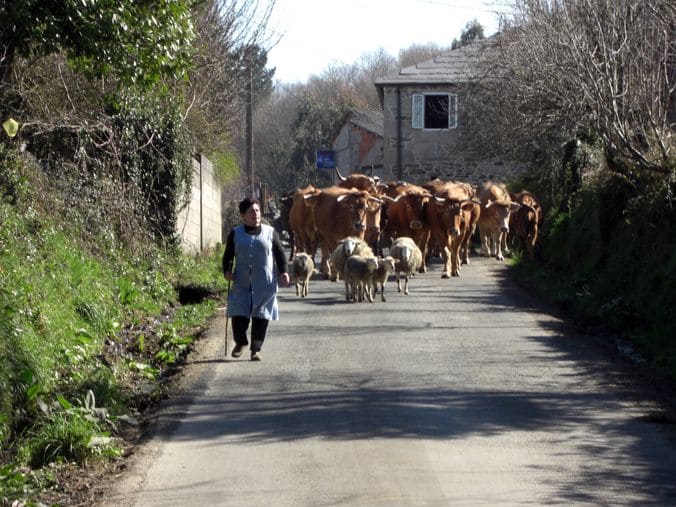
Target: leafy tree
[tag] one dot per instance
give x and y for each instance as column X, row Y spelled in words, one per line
column 318, row 121
column 138, row 42
column 473, row 31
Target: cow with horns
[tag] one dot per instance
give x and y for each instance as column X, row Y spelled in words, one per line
column 496, row 207
column 449, row 216
column 339, row 213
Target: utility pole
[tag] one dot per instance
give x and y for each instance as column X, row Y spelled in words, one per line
column 250, row 136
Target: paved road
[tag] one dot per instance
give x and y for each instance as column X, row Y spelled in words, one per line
column 463, row 393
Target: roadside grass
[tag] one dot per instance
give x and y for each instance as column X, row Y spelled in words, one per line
column 86, row 342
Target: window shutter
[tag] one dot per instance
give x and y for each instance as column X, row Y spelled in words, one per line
column 417, row 111
column 452, row 111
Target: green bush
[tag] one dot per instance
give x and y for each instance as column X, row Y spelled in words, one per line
column 608, row 258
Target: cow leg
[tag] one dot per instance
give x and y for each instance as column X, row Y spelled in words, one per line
column 446, row 257
column 498, row 249
column 326, row 254
column 503, row 242
column 485, row 243
column 454, row 256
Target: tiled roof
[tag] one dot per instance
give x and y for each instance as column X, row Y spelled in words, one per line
column 455, row 66
column 368, row 119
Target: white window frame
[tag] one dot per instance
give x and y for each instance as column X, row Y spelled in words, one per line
column 418, row 110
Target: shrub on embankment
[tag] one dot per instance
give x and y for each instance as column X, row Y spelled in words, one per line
column 89, row 330
column 608, row 254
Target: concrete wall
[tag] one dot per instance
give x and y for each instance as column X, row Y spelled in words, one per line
column 200, row 223
column 429, row 152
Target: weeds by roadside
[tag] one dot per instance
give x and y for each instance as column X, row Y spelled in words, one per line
column 85, row 344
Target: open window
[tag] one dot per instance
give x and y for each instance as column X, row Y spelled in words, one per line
column 435, row 111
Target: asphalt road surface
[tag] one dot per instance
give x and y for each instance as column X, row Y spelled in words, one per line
column 465, row 392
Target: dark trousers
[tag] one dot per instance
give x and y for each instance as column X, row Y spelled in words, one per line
column 258, row 329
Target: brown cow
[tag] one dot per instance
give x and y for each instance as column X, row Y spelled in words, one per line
column 389, row 189
column 448, row 216
column 286, row 202
column 302, row 222
column 526, row 221
column 369, row 184
column 358, row 181
column 496, row 206
column 339, row 213
column 474, row 220
column 406, row 217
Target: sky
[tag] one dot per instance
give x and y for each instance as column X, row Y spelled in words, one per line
column 316, row 34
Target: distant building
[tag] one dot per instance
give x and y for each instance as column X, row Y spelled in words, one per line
column 423, row 121
column 359, row 144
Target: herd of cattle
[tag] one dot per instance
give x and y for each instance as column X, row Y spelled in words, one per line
column 350, row 223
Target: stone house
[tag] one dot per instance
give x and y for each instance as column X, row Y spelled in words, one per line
column 423, row 121
column 359, row 144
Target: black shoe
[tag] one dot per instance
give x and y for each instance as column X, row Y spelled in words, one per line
column 256, row 356
column 237, row 351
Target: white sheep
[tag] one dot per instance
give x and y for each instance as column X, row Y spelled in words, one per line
column 346, row 247
column 386, row 266
column 357, row 273
column 408, row 259
column 302, row 268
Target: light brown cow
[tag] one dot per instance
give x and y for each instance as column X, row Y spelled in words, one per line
column 339, row 213
column 406, row 217
column 449, row 215
column 302, row 221
column 496, row 206
column 525, row 223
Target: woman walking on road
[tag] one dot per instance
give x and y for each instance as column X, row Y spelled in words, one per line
column 259, row 261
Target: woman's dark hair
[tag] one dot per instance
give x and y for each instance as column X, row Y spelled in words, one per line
column 246, row 203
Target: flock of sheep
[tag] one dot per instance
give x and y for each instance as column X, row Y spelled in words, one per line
column 364, row 273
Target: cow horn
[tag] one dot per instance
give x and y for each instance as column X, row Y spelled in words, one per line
column 441, row 199
column 343, row 178
column 375, row 199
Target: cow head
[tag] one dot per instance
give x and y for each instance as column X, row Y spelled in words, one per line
column 502, row 210
column 358, row 181
column 356, row 205
column 453, row 214
column 410, row 208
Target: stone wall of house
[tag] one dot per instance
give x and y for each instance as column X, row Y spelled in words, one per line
column 426, row 153
column 200, row 223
